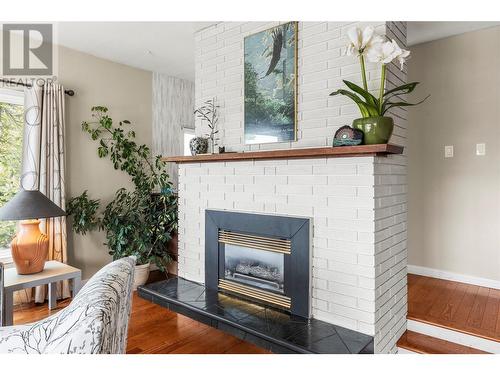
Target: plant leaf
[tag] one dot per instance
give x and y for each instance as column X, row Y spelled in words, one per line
column 405, row 89
column 366, row 109
column 388, row 105
column 370, row 99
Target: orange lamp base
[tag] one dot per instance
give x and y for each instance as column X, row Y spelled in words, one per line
column 30, row 248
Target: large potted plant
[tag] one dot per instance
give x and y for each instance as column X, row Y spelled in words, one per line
column 376, row 126
column 140, row 221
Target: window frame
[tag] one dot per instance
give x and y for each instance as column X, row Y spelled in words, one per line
column 16, row 97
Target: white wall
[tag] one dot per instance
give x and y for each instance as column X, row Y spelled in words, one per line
column 454, row 203
column 358, row 205
column 390, row 211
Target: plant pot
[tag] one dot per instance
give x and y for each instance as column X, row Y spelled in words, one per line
column 141, row 275
column 376, row 130
column 198, row 145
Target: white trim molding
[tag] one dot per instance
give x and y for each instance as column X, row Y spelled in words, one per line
column 446, row 275
column 456, row 337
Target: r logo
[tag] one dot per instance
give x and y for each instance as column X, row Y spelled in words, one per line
column 27, row 49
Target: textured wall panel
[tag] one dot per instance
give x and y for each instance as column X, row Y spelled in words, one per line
column 173, row 106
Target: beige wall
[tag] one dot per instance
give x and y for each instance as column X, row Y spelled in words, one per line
column 126, row 91
column 454, row 203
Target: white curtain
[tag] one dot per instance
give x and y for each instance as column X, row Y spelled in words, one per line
column 43, row 168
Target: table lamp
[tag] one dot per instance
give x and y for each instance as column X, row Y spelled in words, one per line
column 30, row 246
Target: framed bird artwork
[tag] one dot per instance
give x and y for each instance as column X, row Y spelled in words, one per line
column 270, row 69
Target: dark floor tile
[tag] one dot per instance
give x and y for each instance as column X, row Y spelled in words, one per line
column 330, row 344
column 268, row 328
column 354, row 341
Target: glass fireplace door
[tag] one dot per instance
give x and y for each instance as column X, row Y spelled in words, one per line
column 254, row 267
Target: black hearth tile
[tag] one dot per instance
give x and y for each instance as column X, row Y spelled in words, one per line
column 354, row 341
column 280, row 349
column 312, row 332
column 258, row 341
column 276, row 324
column 162, row 302
column 330, row 344
column 177, row 288
column 230, row 313
column 191, row 313
column 236, row 332
column 368, row 349
column 232, row 308
column 266, row 327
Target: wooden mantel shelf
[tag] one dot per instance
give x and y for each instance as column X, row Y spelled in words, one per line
column 319, row 152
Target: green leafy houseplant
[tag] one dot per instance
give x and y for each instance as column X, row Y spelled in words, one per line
column 376, row 126
column 136, row 222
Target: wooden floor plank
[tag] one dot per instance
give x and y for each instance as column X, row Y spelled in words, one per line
column 443, row 302
column 497, row 295
column 453, row 303
column 423, row 344
column 154, row 329
column 462, row 307
column 476, row 314
column 490, row 316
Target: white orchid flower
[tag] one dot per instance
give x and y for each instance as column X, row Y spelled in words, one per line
column 402, row 56
column 362, row 40
column 386, row 52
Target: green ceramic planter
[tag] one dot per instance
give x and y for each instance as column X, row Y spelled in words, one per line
column 375, row 130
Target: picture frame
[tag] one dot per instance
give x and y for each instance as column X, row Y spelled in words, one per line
column 270, row 85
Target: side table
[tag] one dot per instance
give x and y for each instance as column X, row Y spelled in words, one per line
column 52, row 273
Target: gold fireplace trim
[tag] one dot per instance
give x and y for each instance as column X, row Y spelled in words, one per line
column 262, row 243
column 273, row 298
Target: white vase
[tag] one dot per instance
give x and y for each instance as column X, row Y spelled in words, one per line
column 141, row 275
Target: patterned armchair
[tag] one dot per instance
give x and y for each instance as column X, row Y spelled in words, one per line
column 96, row 321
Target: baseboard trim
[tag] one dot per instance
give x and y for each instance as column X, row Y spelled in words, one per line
column 460, row 338
column 441, row 274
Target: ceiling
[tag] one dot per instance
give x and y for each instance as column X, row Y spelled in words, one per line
column 420, row 32
column 168, row 47
column 164, row 47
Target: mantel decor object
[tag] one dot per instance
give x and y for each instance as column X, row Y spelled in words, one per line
column 30, row 246
column 347, row 136
column 208, row 113
column 198, row 145
column 375, row 124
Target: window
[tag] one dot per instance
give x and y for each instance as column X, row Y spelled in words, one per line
column 188, row 135
column 11, row 142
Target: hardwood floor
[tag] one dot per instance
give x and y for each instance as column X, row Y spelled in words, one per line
column 462, row 307
column 423, row 344
column 154, row 329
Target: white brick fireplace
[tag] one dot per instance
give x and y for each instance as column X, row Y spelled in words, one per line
column 357, row 205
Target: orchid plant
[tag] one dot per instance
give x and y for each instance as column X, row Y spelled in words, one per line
column 367, row 44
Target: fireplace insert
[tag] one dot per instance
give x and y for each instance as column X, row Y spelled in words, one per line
column 264, row 258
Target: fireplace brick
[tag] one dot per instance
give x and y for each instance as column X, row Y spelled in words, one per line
column 359, row 243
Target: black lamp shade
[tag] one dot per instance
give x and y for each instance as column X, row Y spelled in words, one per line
column 30, row 204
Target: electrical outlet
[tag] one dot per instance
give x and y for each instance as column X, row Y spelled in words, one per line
column 448, row 151
column 481, row 149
